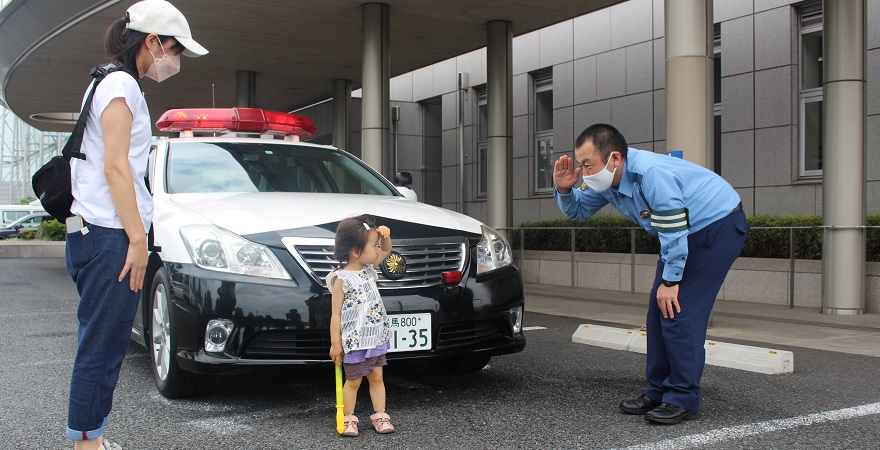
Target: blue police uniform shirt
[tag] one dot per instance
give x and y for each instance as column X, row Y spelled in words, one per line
column 678, row 197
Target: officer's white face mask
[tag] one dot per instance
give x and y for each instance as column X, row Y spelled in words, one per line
column 164, row 67
column 601, row 180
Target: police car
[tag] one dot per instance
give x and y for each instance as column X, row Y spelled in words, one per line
column 242, row 239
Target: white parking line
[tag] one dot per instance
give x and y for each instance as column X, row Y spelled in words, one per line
column 534, row 328
column 753, row 429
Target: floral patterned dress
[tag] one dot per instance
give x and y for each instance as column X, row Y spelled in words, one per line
column 364, row 323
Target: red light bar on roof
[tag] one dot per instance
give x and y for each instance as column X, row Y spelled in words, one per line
column 242, row 120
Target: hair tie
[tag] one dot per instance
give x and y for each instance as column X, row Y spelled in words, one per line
column 366, row 226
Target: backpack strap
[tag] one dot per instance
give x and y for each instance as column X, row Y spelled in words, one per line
column 74, row 144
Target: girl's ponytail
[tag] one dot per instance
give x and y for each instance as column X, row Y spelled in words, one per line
column 122, row 44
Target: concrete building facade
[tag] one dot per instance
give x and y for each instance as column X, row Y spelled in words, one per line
column 608, row 66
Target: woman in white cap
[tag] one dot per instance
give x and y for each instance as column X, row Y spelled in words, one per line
column 107, row 236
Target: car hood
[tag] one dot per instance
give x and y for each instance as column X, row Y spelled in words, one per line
column 251, row 213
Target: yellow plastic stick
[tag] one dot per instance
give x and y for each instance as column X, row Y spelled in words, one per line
column 340, row 419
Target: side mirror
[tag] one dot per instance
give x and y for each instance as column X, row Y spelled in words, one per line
column 403, row 179
column 408, row 193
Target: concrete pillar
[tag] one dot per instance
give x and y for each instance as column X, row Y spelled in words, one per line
column 689, row 80
column 843, row 187
column 499, row 101
column 342, row 114
column 246, row 89
column 376, row 117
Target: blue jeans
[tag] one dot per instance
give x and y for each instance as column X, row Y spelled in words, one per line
column 106, row 313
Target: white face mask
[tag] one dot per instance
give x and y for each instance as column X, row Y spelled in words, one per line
column 602, row 180
column 164, row 67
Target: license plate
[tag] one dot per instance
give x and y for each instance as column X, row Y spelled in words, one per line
column 410, row 332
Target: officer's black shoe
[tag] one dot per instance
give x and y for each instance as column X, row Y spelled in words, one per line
column 639, row 405
column 668, row 413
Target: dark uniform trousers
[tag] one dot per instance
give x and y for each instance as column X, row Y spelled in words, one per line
column 676, row 353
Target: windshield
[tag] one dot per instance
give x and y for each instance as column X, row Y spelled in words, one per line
column 267, row 167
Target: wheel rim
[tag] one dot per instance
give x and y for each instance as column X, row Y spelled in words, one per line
column 161, row 333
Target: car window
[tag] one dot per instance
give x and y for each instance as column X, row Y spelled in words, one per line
column 33, row 222
column 12, row 216
column 259, row 167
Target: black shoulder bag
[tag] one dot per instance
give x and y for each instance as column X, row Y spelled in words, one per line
column 52, row 183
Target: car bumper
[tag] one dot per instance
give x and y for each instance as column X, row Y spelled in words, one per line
column 281, row 322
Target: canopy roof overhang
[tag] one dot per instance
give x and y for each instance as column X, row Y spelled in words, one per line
column 296, row 48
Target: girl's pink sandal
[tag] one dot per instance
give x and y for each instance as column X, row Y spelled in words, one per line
column 351, row 426
column 382, row 423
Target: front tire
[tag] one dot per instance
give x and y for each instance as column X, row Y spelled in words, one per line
column 460, row 365
column 171, row 380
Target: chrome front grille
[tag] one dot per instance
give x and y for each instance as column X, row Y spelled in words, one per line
column 425, row 259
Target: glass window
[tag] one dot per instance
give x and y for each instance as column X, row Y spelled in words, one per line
column 544, row 162
column 811, row 60
column 543, row 110
column 482, row 139
column 12, row 216
column 716, row 156
column 717, row 75
column 33, row 222
column 543, row 138
column 717, row 137
column 811, row 136
column 483, row 120
column 811, row 77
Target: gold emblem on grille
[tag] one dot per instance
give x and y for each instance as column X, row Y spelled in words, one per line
column 394, row 266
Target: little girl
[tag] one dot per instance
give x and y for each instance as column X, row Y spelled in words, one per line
column 359, row 326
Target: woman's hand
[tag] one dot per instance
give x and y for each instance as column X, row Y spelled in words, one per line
column 336, row 353
column 565, row 175
column 136, row 262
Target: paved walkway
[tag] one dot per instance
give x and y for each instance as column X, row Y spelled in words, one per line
column 765, row 325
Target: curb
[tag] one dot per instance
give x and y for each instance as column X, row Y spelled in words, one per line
column 32, row 249
column 768, row 361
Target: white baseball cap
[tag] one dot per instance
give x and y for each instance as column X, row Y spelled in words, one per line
column 162, row 18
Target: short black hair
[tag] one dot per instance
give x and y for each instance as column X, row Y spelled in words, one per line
column 352, row 234
column 605, row 138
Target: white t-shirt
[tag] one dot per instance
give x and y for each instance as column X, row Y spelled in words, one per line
column 91, row 194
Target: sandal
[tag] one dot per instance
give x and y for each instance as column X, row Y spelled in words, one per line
column 382, row 423
column 351, row 426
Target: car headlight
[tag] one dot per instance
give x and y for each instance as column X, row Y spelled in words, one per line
column 493, row 251
column 215, row 249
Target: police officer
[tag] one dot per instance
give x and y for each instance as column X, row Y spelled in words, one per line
column 699, row 219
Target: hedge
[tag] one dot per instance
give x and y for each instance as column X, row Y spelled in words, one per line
column 53, row 230
column 49, row 230
column 611, row 234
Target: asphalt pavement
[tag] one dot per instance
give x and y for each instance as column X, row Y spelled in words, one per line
column 554, row 394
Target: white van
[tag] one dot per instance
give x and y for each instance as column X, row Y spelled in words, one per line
column 11, row 213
